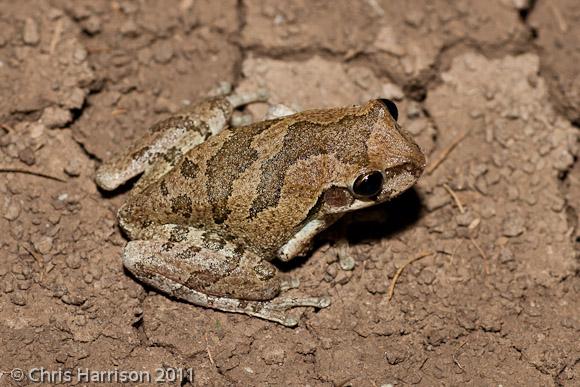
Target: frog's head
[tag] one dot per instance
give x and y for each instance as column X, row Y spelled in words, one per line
column 392, row 162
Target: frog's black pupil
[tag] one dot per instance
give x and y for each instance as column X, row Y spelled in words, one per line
column 369, row 184
column 391, row 107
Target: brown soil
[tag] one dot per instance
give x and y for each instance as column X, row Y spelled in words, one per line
column 498, row 301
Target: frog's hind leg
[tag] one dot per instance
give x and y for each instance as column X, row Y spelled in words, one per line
column 162, row 146
column 216, row 275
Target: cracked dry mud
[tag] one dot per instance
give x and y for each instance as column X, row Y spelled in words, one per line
column 498, row 302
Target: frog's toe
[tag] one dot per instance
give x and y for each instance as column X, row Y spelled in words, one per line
column 244, row 98
column 223, row 88
column 240, row 119
column 289, row 303
column 292, row 283
column 274, row 310
column 324, row 302
column 291, row 321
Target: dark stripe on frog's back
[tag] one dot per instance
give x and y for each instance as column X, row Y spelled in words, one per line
column 224, row 168
column 345, row 137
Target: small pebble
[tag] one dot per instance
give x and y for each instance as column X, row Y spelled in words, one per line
column 73, row 261
column 26, row 155
column 12, row 210
column 75, row 99
column 513, row 226
column 490, row 324
column 506, row 255
column 92, row 25
column 130, row 29
column 332, row 271
column 43, row 245
column 274, row 356
column 415, row 17
column 343, row 277
column 61, row 357
column 8, row 285
column 30, row 33
column 392, row 91
column 326, row 342
column 427, row 277
column 464, row 219
column 163, row 52
column 18, row 298
column 36, row 129
column 70, row 299
column 437, row 199
column 386, row 41
column 513, row 193
column 80, row 55
column 55, row 117
column 54, row 13
column 415, row 127
column 346, row 262
column 521, row 5
column 414, row 110
column 73, row 167
column 395, row 356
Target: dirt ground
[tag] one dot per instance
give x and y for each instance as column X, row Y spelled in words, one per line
column 491, row 92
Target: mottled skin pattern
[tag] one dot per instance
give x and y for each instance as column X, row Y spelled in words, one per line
column 215, row 204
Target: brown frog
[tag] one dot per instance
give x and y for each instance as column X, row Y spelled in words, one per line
column 216, row 203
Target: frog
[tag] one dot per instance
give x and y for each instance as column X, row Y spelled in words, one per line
column 213, row 206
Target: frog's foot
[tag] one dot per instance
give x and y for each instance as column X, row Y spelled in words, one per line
column 292, row 283
column 221, row 89
column 205, row 270
column 239, row 119
column 243, row 98
column 273, row 310
column 268, row 310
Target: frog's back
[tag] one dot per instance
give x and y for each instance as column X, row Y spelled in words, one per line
column 267, row 176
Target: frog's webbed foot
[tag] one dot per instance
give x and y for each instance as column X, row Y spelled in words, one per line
column 274, row 310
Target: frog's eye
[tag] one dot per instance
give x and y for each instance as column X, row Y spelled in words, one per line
column 391, row 107
column 368, row 185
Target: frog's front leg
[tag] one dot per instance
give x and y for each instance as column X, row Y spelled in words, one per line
column 205, row 270
column 166, row 141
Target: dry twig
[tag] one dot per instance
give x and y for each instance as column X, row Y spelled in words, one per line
column 56, row 35
column 454, row 356
column 33, row 173
column 6, row 127
column 559, row 18
column 482, row 253
column 400, row 271
column 455, row 198
column 444, row 153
